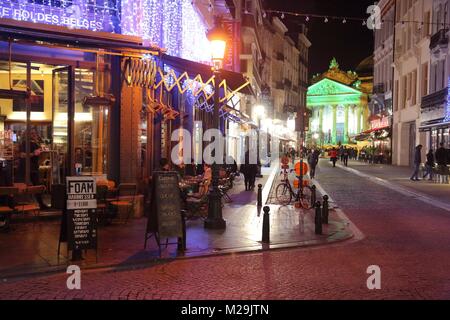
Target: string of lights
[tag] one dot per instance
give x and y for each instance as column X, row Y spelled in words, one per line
column 176, row 26
column 344, row 19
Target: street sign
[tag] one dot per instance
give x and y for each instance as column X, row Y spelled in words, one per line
column 301, row 170
column 81, row 213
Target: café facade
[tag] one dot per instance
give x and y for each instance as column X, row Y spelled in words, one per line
column 102, row 103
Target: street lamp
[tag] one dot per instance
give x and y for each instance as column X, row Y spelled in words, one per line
column 260, row 113
column 217, row 38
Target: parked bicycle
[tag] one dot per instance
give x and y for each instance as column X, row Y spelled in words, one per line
column 285, row 192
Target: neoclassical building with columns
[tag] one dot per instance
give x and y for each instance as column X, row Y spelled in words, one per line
column 338, row 103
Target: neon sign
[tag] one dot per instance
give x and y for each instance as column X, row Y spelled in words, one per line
column 379, row 123
column 95, row 15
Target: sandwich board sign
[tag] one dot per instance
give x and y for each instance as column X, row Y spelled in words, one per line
column 81, row 213
column 165, row 219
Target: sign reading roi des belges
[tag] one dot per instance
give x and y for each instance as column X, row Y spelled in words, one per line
column 81, row 213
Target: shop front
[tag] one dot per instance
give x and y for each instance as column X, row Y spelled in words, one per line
column 67, row 104
column 435, row 118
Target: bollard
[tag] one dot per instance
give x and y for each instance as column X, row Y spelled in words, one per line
column 182, row 240
column 318, row 219
column 313, row 194
column 259, row 195
column 325, row 211
column 266, row 226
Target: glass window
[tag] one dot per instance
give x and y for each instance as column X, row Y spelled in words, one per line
column 91, row 130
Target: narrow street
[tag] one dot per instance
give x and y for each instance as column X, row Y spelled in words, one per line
column 407, row 238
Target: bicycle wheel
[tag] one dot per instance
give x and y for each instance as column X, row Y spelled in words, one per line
column 306, row 198
column 283, row 194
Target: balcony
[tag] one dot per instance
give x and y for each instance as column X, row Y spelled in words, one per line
column 289, row 109
column 378, row 88
column 435, row 100
column 287, row 84
column 279, row 85
column 279, row 56
column 440, row 38
column 283, row 116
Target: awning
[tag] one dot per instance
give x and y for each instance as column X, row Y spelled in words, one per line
column 234, row 80
column 438, row 125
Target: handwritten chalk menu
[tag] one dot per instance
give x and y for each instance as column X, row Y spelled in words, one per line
column 81, row 213
column 167, row 204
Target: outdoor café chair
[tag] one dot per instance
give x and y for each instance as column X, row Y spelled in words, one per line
column 197, row 204
column 28, row 201
column 102, row 204
column 7, row 208
column 125, row 199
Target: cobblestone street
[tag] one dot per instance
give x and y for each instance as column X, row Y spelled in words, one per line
column 406, row 237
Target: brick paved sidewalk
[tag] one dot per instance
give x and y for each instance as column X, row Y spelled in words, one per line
column 32, row 247
column 400, row 175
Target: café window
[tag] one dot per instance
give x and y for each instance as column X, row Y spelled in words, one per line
column 52, row 88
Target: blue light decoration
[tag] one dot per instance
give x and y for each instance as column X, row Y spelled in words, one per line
column 175, row 26
column 95, row 15
column 447, row 106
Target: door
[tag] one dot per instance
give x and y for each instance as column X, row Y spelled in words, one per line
column 62, row 108
column 412, row 143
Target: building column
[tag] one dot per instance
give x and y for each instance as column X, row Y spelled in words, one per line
column 358, row 118
column 333, row 131
column 346, row 124
column 321, row 124
column 130, row 111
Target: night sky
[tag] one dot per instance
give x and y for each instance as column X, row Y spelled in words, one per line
column 350, row 43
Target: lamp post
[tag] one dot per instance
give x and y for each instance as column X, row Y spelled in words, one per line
column 260, row 113
column 217, row 37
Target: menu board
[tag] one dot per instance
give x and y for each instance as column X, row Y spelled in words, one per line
column 81, row 213
column 166, row 205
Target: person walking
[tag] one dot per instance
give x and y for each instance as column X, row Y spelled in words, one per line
column 417, row 162
column 441, row 160
column 333, row 156
column 313, row 160
column 429, row 165
column 249, row 171
column 345, row 152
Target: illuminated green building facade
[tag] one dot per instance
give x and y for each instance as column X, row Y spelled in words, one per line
column 338, row 104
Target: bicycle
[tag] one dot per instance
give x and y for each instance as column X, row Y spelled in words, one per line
column 285, row 192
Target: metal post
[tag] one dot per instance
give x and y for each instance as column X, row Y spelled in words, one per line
column 77, row 255
column 266, row 225
column 182, row 240
column 318, row 219
column 325, row 209
column 258, row 144
column 259, row 195
column 215, row 220
column 313, row 194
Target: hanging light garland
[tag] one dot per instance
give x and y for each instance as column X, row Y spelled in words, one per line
column 345, row 19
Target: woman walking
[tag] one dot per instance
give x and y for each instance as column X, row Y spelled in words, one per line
column 333, row 156
column 429, row 165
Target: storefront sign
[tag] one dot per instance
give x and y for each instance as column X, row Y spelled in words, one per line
column 81, row 213
column 379, row 123
column 233, row 44
column 81, row 14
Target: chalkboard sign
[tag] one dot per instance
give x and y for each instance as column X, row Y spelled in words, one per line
column 165, row 218
column 81, row 213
